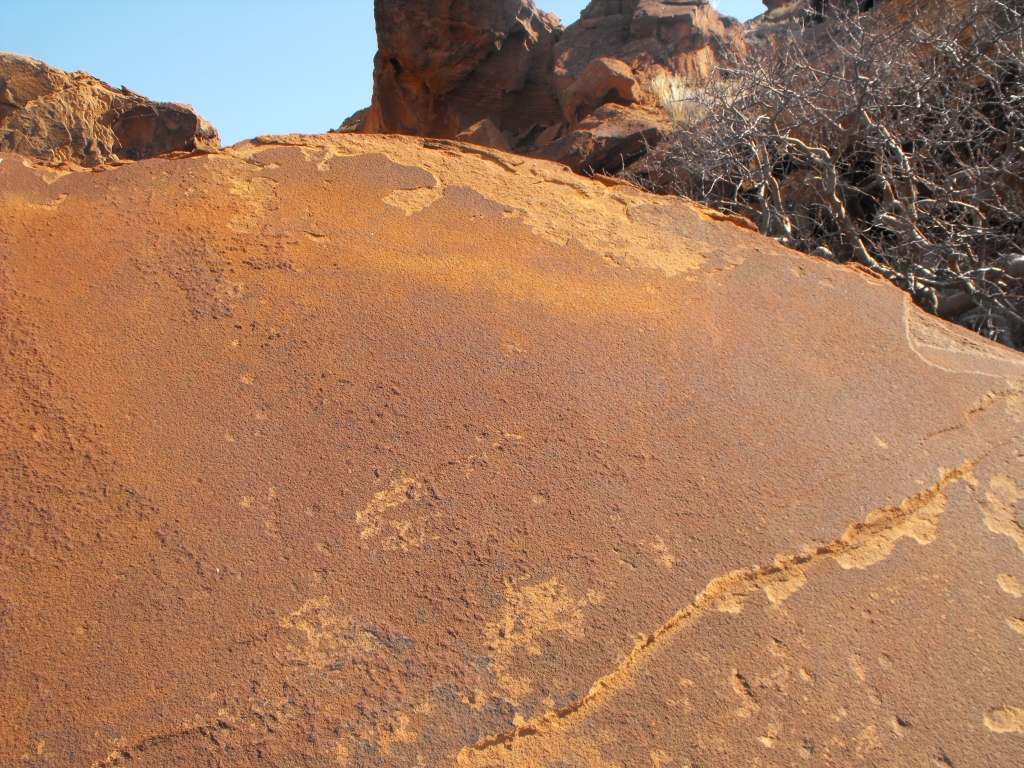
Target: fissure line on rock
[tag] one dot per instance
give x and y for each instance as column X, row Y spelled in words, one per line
column 121, row 755
column 1010, row 397
column 860, row 546
column 506, row 162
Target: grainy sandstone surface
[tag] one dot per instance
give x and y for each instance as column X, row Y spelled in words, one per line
column 372, row 450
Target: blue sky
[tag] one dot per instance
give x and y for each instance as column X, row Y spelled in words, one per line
column 248, row 66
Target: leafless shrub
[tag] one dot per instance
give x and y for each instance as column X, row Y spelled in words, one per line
column 893, row 138
column 676, row 95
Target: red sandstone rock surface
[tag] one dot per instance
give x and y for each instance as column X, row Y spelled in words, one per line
column 447, row 69
column 603, row 81
column 385, row 451
column 442, row 67
column 60, row 117
column 608, row 139
column 649, row 36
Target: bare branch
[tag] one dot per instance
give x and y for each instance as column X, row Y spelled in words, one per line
column 892, row 138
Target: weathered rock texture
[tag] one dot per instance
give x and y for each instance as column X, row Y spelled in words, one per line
column 602, row 81
column 649, row 36
column 608, row 139
column 442, row 67
column 374, row 450
column 60, row 117
column 451, row 69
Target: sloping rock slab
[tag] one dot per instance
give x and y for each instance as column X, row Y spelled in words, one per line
column 369, row 450
column 59, row 117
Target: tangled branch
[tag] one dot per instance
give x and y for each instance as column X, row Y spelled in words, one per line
column 894, row 138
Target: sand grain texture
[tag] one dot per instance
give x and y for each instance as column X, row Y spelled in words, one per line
column 373, row 450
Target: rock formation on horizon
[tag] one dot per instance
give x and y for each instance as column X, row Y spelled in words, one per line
column 364, row 450
column 443, row 66
column 506, row 75
column 651, row 37
column 59, row 117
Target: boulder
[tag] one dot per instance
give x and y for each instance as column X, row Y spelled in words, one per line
column 1015, row 266
column 442, row 67
column 651, row 37
column 953, row 304
column 610, row 138
column 486, row 134
column 616, row 54
column 361, row 450
column 549, row 134
column 354, row 123
column 54, row 117
column 603, row 81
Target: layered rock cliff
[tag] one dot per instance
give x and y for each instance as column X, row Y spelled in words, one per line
column 390, row 451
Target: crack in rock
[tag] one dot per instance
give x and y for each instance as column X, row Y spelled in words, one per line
column 124, row 754
column 861, row 546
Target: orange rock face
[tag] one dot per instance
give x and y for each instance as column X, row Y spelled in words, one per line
column 650, row 36
column 372, row 450
column 603, row 81
column 611, row 137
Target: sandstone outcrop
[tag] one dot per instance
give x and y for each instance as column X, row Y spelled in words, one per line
column 486, row 134
column 650, row 36
column 615, row 54
column 603, row 81
column 608, row 139
column 450, row 70
column 442, row 67
column 386, row 451
column 55, row 117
